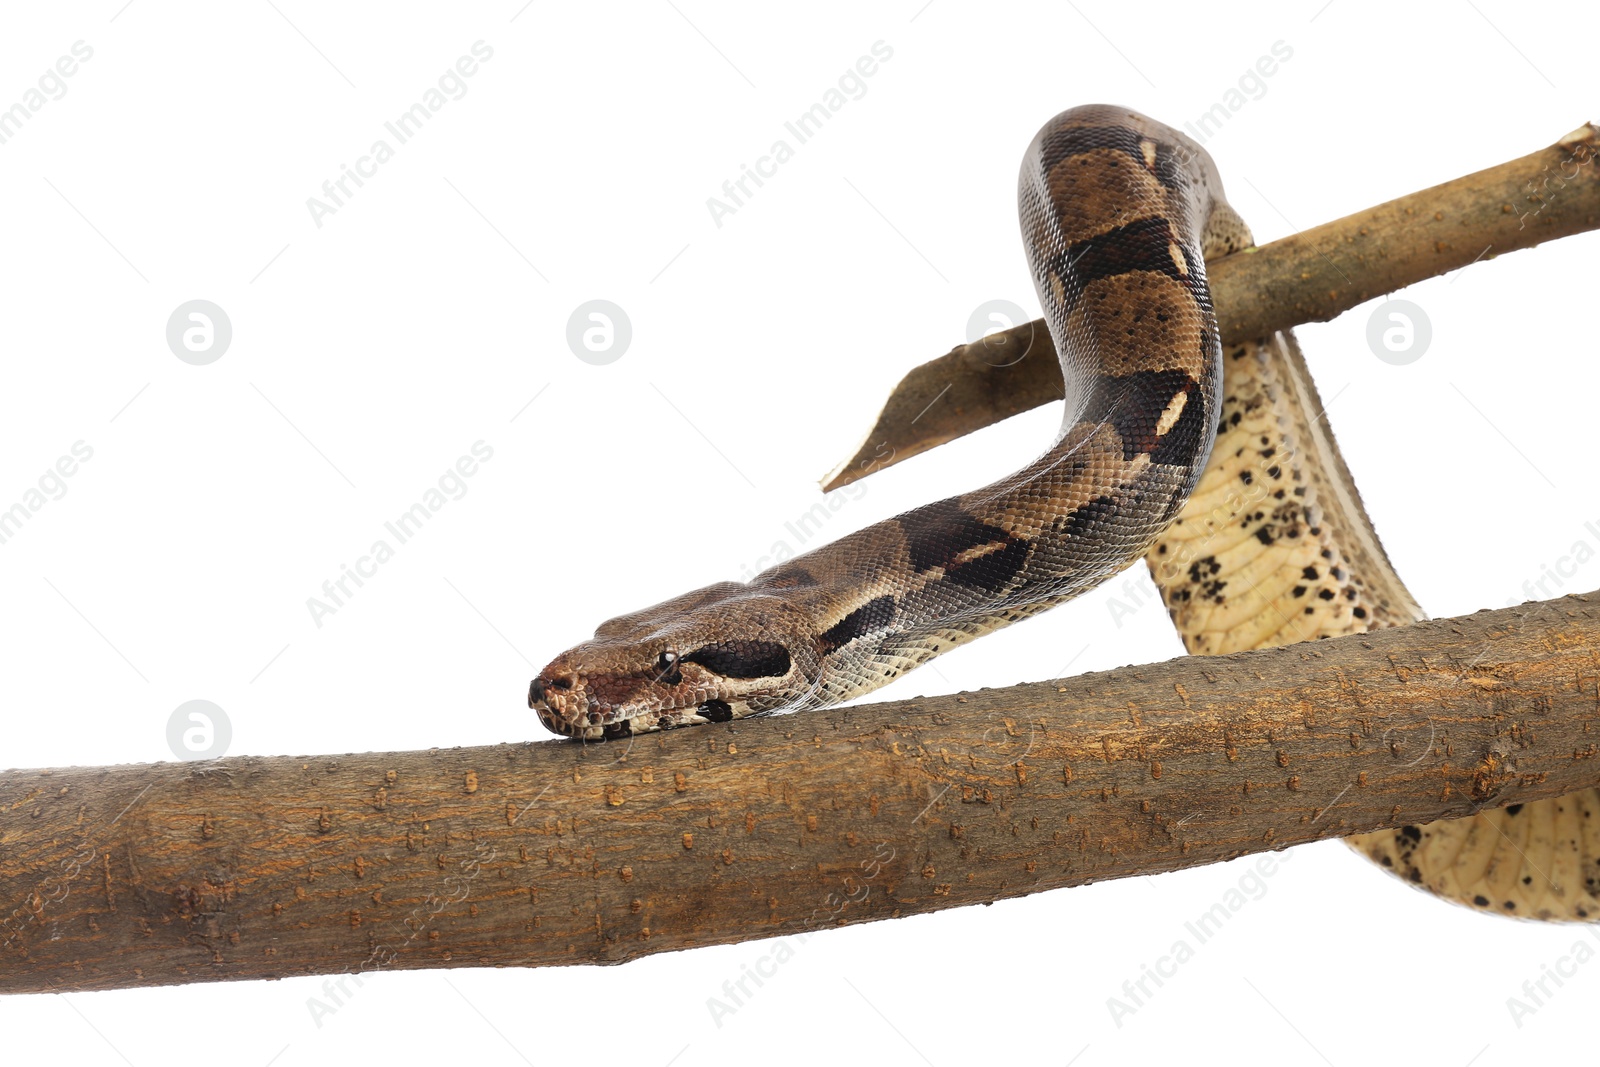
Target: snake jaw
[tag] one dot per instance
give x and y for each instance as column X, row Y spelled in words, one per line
column 573, row 705
column 577, row 713
column 581, row 713
column 565, row 704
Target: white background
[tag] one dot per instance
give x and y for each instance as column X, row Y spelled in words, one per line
column 368, row 354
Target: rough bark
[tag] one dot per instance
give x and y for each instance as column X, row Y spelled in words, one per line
column 557, row 853
column 1309, row 277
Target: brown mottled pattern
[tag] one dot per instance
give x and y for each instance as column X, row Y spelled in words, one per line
column 1132, row 312
column 1113, row 208
column 1092, row 188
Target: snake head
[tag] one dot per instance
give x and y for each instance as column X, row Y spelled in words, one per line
column 719, row 653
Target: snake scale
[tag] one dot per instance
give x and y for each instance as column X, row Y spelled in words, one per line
column 1217, row 467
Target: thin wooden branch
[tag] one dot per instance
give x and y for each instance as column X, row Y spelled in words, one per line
column 557, row 853
column 1310, row 277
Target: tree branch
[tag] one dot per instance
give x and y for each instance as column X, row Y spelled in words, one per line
column 557, row 853
column 1310, row 277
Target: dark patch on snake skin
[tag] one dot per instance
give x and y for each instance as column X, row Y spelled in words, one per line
column 870, row 617
column 1187, row 436
column 615, row 730
column 992, row 571
column 742, row 659
column 1204, row 576
column 1145, row 244
column 1136, row 402
column 716, row 711
column 936, row 534
column 1168, row 167
column 1094, row 513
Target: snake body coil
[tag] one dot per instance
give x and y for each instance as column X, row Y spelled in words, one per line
column 1116, row 210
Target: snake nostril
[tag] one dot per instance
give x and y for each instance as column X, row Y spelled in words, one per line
column 564, row 681
column 535, row 691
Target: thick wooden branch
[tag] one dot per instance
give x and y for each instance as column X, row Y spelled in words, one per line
column 1310, row 277
column 556, row 853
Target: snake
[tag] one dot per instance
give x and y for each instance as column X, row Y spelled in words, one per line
column 1217, row 468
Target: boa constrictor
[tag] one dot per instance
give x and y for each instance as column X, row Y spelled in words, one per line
column 1266, row 544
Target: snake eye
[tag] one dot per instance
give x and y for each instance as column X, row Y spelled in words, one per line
column 667, row 668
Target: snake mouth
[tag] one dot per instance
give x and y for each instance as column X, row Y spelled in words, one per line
column 581, row 728
column 567, row 710
column 572, row 712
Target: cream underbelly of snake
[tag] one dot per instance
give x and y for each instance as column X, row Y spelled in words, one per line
column 1218, row 467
